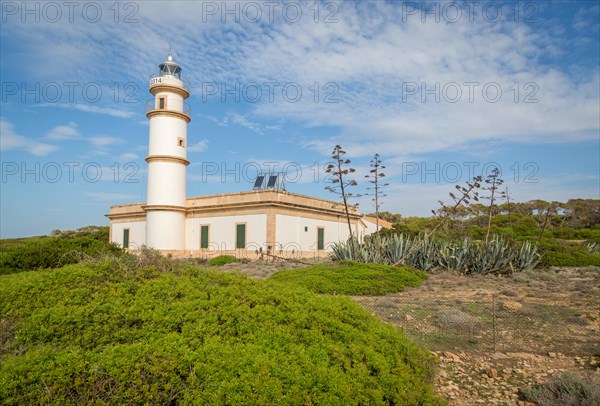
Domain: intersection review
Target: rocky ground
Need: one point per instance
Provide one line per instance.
(494, 336)
(467, 378)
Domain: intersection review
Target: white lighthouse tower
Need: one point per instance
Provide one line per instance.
(169, 116)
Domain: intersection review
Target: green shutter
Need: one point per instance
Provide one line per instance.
(203, 236)
(126, 238)
(240, 236)
(320, 238)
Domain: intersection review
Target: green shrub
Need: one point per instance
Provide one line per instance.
(566, 253)
(221, 260)
(566, 390)
(352, 278)
(564, 233)
(101, 333)
(574, 258)
(52, 252)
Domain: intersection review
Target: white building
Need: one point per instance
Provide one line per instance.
(267, 218)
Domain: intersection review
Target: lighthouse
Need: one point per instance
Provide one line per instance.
(265, 219)
(169, 116)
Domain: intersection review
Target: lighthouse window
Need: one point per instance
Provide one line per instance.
(161, 103)
(180, 142)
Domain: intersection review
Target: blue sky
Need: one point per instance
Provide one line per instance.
(442, 91)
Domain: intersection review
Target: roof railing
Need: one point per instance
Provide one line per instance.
(151, 106)
(184, 81)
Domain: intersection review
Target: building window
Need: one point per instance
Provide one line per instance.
(203, 236)
(320, 238)
(126, 238)
(161, 103)
(180, 142)
(240, 236)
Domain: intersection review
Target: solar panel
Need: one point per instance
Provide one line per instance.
(259, 181)
(272, 181)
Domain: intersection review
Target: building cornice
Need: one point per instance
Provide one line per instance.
(163, 207)
(129, 216)
(269, 203)
(282, 196)
(168, 113)
(167, 158)
(263, 201)
(155, 89)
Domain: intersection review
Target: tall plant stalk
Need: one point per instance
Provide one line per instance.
(467, 194)
(340, 185)
(494, 181)
(375, 174)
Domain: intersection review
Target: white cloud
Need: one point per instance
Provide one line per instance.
(586, 19)
(128, 157)
(371, 56)
(364, 60)
(88, 108)
(110, 111)
(238, 119)
(217, 121)
(10, 140)
(64, 132)
(105, 140)
(200, 146)
(243, 121)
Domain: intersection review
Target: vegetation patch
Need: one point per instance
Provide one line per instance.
(108, 333)
(62, 248)
(353, 278)
(567, 389)
(496, 256)
(221, 260)
(567, 253)
(564, 234)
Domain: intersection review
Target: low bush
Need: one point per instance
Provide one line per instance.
(52, 252)
(566, 390)
(101, 333)
(566, 253)
(221, 260)
(574, 258)
(352, 278)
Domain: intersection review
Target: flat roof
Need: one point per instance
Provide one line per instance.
(251, 198)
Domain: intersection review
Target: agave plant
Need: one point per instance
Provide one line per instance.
(593, 248)
(455, 257)
(494, 257)
(497, 256)
(340, 251)
(424, 258)
(365, 252)
(528, 257)
(396, 247)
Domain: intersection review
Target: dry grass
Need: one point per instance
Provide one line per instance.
(559, 313)
(565, 390)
